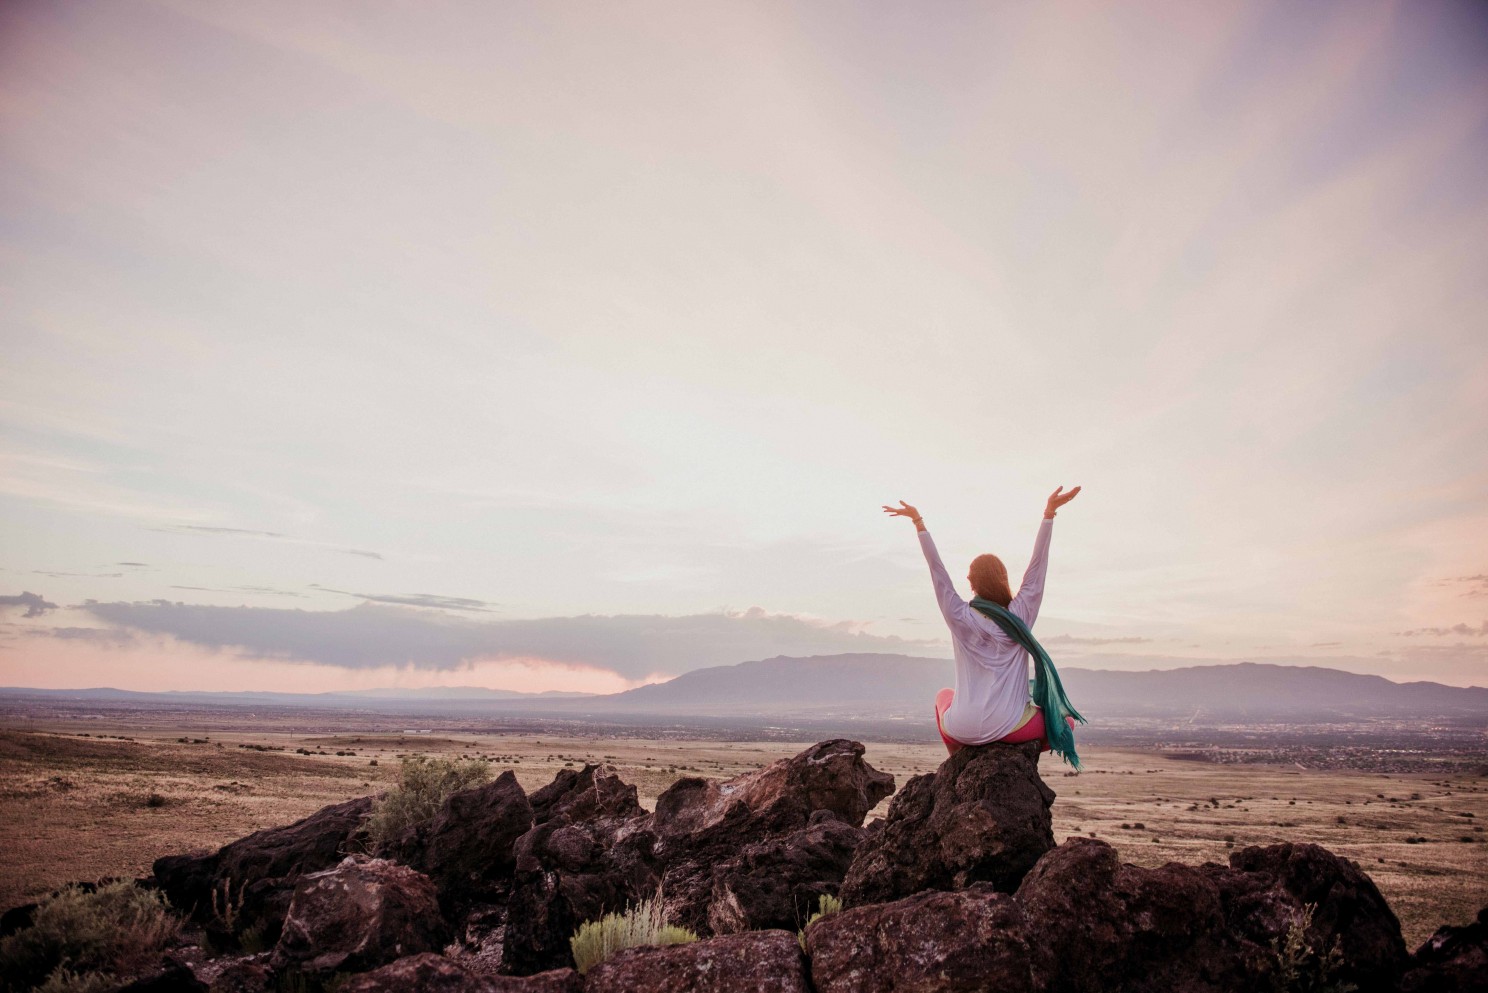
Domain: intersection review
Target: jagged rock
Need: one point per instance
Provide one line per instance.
(594, 849)
(431, 973)
(776, 883)
(1109, 926)
(595, 792)
(565, 873)
(701, 823)
(467, 848)
(1453, 960)
(1263, 892)
(256, 875)
(751, 962)
(359, 915)
(983, 816)
(972, 940)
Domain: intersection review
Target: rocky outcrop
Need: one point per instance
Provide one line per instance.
(1453, 960)
(595, 850)
(468, 849)
(565, 871)
(431, 973)
(983, 816)
(252, 879)
(358, 915)
(1264, 892)
(752, 962)
(778, 882)
(973, 940)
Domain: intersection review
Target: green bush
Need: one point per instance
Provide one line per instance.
(424, 783)
(643, 924)
(825, 904)
(79, 941)
(1300, 968)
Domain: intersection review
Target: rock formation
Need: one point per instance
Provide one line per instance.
(983, 816)
(959, 888)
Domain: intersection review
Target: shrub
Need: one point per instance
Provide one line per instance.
(424, 783)
(643, 924)
(825, 904)
(79, 941)
(1299, 966)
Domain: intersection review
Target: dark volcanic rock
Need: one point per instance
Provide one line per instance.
(752, 962)
(702, 823)
(467, 848)
(256, 875)
(173, 978)
(566, 872)
(983, 816)
(972, 940)
(776, 883)
(1453, 959)
(1108, 925)
(1263, 892)
(431, 973)
(359, 915)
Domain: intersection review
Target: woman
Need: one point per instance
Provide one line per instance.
(992, 699)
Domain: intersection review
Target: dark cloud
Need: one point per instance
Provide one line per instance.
(375, 634)
(417, 599)
(1476, 585)
(139, 564)
(35, 605)
(1325, 644)
(89, 575)
(1070, 639)
(1461, 630)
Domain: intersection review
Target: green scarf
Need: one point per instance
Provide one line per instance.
(1045, 687)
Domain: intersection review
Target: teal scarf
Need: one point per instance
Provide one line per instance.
(1045, 687)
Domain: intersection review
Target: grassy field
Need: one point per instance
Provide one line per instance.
(86, 805)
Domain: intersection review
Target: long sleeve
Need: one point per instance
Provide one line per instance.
(952, 607)
(1026, 604)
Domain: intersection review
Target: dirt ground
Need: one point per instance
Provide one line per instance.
(107, 802)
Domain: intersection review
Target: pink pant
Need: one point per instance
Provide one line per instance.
(1032, 731)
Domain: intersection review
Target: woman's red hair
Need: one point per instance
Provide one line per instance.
(989, 580)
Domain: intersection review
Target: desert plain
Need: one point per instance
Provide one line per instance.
(85, 800)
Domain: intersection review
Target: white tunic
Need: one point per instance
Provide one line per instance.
(991, 668)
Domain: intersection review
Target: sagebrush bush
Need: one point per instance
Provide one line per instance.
(643, 924)
(80, 941)
(1300, 968)
(424, 783)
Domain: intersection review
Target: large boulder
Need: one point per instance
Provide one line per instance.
(1453, 960)
(1108, 925)
(247, 884)
(565, 871)
(778, 882)
(700, 823)
(983, 816)
(968, 941)
(468, 848)
(358, 915)
(751, 962)
(431, 973)
(1265, 889)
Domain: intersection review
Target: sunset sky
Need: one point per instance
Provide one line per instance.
(576, 345)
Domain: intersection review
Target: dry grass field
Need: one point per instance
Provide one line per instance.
(84, 805)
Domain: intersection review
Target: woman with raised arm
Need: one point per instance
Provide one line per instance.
(993, 641)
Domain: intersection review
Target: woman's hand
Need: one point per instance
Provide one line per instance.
(903, 510)
(1057, 499)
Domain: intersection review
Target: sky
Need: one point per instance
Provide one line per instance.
(574, 346)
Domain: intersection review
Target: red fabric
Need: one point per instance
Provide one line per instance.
(1032, 731)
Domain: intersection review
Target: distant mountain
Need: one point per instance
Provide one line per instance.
(885, 685)
(900, 687)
